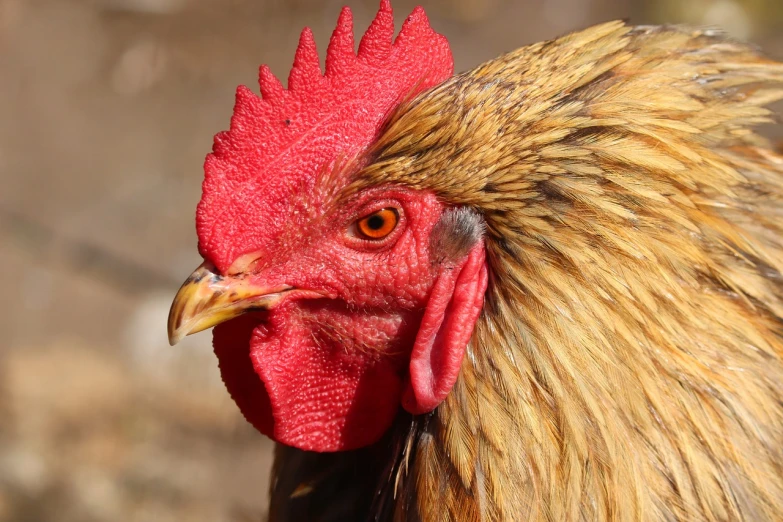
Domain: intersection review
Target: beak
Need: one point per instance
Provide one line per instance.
(207, 298)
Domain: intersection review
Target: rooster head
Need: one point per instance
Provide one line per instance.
(332, 307)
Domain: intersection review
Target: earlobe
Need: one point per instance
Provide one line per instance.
(452, 311)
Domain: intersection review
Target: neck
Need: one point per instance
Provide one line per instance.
(612, 389)
(575, 405)
(627, 363)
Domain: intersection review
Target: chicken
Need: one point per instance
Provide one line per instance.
(546, 289)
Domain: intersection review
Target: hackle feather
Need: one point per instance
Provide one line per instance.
(628, 364)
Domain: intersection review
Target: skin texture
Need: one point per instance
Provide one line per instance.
(628, 361)
(352, 327)
(280, 142)
(327, 371)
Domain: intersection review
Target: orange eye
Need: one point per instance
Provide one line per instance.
(379, 224)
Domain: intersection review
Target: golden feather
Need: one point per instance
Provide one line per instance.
(628, 364)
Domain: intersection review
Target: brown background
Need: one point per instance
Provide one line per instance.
(107, 108)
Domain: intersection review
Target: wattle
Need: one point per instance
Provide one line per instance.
(306, 392)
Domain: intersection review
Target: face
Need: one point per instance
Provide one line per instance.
(316, 330)
(329, 315)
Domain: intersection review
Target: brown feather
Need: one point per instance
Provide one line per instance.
(628, 364)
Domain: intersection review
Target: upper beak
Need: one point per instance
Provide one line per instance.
(207, 298)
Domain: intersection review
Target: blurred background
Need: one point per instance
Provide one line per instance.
(107, 108)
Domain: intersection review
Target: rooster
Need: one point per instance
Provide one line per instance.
(546, 289)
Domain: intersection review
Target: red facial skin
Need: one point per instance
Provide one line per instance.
(328, 373)
(373, 324)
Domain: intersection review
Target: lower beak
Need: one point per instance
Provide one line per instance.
(207, 298)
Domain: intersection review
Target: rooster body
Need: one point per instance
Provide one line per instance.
(627, 363)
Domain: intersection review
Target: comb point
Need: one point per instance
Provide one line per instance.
(376, 43)
(271, 87)
(416, 26)
(247, 107)
(340, 55)
(219, 145)
(306, 71)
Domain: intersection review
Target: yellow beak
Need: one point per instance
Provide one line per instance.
(207, 299)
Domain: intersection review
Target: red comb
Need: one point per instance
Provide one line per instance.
(277, 145)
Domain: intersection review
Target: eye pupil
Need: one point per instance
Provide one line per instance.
(379, 224)
(376, 222)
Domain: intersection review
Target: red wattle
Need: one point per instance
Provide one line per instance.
(311, 395)
(231, 342)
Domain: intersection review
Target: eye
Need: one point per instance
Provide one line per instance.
(379, 224)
